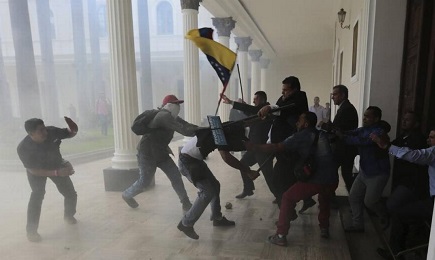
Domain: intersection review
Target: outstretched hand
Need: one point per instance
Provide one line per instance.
(264, 111)
(71, 124)
(383, 141)
(225, 99)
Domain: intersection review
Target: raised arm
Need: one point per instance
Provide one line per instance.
(72, 127)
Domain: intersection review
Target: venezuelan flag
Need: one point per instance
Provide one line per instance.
(220, 57)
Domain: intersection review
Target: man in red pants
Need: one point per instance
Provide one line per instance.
(312, 147)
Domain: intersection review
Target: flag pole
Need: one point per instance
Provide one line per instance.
(223, 91)
(240, 80)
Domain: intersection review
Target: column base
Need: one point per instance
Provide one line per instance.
(119, 180)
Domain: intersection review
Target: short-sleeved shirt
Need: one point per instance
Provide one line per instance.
(44, 155)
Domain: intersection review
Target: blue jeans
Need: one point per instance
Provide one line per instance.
(368, 191)
(208, 186)
(147, 170)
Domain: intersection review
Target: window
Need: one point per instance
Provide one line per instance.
(355, 49)
(164, 18)
(340, 70)
(52, 27)
(102, 29)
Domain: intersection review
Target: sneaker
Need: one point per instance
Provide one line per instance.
(70, 220)
(223, 222)
(244, 194)
(307, 204)
(188, 231)
(324, 232)
(276, 240)
(34, 237)
(130, 201)
(186, 206)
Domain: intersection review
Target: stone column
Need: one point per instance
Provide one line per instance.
(264, 64)
(124, 170)
(224, 27)
(243, 44)
(192, 106)
(255, 72)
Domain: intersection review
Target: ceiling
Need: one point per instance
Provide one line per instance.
(281, 28)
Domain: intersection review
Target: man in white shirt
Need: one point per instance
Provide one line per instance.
(319, 110)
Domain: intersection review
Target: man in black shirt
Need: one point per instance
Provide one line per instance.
(346, 119)
(40, 154)
(283, 126)
(258, 134)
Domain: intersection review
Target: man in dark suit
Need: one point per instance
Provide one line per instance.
(258, 134)
(283, 126)
(346, 119)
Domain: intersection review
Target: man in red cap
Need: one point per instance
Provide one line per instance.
(157, 130)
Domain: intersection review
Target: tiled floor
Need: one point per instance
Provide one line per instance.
(109, 229)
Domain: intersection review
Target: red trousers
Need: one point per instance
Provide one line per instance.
(300, 191)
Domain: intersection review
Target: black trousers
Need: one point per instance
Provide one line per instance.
(250, 158)
(345, 158)
(37, 184)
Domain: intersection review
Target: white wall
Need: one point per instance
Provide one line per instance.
(313, 70)
(387, 58)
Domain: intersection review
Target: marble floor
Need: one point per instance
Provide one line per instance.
(109, 229)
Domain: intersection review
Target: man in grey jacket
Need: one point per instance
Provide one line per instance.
(153, 151)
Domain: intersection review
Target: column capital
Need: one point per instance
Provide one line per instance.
(264, 63)
(224, 25)
(243, 43)
(190, 4)
(255, 55)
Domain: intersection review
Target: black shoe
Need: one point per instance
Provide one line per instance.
(70, 220)
(244, 194)
(324, 232)
(130, 201)
(307, 204)
(223, 222)
(354, 229)
(188, 231)
(34, 237)
(384, 253)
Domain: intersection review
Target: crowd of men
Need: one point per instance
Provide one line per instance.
(300, 151)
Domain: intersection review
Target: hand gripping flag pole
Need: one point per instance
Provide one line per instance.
(220, 57)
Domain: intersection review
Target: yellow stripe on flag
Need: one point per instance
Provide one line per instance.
(222, 54)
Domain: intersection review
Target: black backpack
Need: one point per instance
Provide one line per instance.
(140, 124)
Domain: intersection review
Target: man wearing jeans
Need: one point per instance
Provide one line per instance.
(39, 152)
(153, 151)
(193, 167)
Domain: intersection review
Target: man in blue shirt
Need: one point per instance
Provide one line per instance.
(374, 172)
